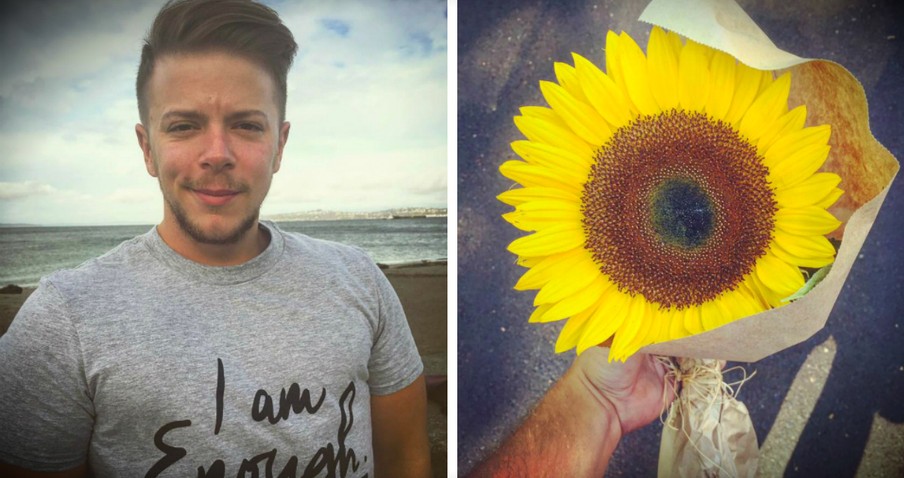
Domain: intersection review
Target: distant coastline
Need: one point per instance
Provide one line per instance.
(315, 215)
(322, 215)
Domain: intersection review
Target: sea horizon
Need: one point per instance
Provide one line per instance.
(32, 251)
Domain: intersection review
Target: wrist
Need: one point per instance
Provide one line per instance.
(604, 409)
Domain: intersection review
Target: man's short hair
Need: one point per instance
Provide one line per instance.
(241, 27)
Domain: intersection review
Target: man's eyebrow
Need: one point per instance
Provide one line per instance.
(183, 114)
(200, 117)
(245, 114)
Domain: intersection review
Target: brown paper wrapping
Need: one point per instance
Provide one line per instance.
(708, 432)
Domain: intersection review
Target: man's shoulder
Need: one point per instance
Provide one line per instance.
(110, 267)
(306, 248)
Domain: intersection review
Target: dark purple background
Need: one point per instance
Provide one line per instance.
(506, 364)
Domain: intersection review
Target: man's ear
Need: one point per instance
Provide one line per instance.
(144, 142)
(283, 138)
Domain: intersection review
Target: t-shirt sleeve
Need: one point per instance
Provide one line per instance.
(45, 410)
(394, 359)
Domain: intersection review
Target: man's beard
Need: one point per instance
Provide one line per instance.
(201, 236)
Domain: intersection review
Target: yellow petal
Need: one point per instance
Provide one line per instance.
(532, 175)
(787, 124)
(764, 293)
(799, 166)
(658, 320)
(571, 332)
(542, 113)
(637, 78)
(753, 291)
(603, 94)
(580, 117)
(806, 221)
(806, 247)
(786, 256)
(830, 199)
(567, 164)
(676, 41)
(677, 330)
(712, 315)
(568, 78)
(577, 302)
(538, 313)
(741, 303)
(788, 144)
(778, 275)
(514, 197)
(549, 268)
(662, 324)
(581, 274)
(809, 191)
(692, 320)
(557, 238)
(666, 317)
(662, 63)
(766, 109)
(693, 77)
(722, 84)
(550, 205)
(544, 213)
(606, 319)
(747, 84)
(613, 62)
(526, 261)
(636, 315)
(542, 131)
(648, 329)
(532, 222)
(728, 309)
(766, 80)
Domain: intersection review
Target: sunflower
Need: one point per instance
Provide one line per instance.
(667, 196)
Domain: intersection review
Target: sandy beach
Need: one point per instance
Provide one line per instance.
(421, 287)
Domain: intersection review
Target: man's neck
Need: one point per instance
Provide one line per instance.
(254, 241)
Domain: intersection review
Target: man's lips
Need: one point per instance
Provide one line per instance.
(215, 197)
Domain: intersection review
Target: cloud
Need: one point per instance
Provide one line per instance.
(9, 191)
(136, 195)
(44, 41)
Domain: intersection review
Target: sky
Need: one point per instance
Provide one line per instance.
(366, 99)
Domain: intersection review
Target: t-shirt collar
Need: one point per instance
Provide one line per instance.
(219, 275)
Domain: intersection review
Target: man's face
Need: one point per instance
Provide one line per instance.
(213, 140)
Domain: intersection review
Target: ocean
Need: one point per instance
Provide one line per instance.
(29, 253)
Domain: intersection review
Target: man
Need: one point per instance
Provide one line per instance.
(214, 344)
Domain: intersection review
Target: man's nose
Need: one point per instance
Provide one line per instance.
(217, 152)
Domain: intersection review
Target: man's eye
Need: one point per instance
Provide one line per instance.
(180, 127)
(250, 127)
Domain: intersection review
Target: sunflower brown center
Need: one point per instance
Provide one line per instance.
(682, 213)
(677, 208)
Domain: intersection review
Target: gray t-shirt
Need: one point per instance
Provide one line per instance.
(149, 364)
